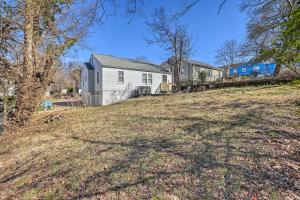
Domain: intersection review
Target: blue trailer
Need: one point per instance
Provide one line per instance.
(255, 70)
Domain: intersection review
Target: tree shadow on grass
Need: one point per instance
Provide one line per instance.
(19, 170)
(243, 178)
(208, 159)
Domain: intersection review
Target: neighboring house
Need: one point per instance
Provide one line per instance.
(107, 79)
(255, 70)
(190, 71)
(7, 88)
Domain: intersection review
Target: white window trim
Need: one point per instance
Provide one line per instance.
(182, 71)
(148, 82)
(145, 78)
(98, 77)
(164, 75)
(121, 77)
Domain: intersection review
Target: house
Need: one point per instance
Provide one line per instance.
(7, 88)
(107, 79)
(190, 71)
(255, 70)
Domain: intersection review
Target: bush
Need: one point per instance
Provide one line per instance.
(70, 90)
(245, 78)
(202, 76)
(295, 83)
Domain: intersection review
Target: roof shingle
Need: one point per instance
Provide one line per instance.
(125, 63)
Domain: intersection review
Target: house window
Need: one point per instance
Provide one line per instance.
(144, 78)
(164, 78)
(244, 69)
(182, 71)
(120, 76)
(150, 79)
(256, 68)
(210, 73)
(97, 77)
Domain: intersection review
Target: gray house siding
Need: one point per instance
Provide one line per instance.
(190, 71)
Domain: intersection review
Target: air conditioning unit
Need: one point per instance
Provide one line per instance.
(143, 90)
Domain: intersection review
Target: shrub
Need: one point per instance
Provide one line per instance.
(202, 76)
(70, 90)
(295, 83)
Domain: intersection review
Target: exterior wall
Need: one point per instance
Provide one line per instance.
(184, 72)
(88, 86)
(259, 69)
(97, 82)
(190, 72)
(84, 80)
(114, 91)
(213, 74)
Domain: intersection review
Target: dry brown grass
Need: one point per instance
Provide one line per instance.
(222, 144)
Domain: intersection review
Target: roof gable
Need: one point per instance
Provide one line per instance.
(89, 66)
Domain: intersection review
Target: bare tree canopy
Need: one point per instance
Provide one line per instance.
(188, 5)
(172, 36)
(265, 25)
(229, 53)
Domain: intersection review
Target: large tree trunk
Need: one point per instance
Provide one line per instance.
(176, 76)
(24, 97)
(277, 70)
(37, 69)
(5, 110)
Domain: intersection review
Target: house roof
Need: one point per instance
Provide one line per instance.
(129, 64)
(194, 62)
(202, 64)
(89, 66)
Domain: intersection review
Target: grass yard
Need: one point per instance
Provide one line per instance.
(222, 144)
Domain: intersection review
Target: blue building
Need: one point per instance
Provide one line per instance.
(259, 69)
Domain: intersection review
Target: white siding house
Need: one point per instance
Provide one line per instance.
(107, 79)
(190, 70)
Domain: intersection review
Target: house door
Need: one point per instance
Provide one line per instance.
(164, 78)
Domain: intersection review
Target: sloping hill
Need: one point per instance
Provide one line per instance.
(221, 144)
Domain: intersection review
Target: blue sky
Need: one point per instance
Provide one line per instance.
(117, 37)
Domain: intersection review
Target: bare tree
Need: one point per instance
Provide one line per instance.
(34, 34)
(173, 37)
(75, 77)
(228, 54)
(59, 81)
(188, 5)
(264, 26)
